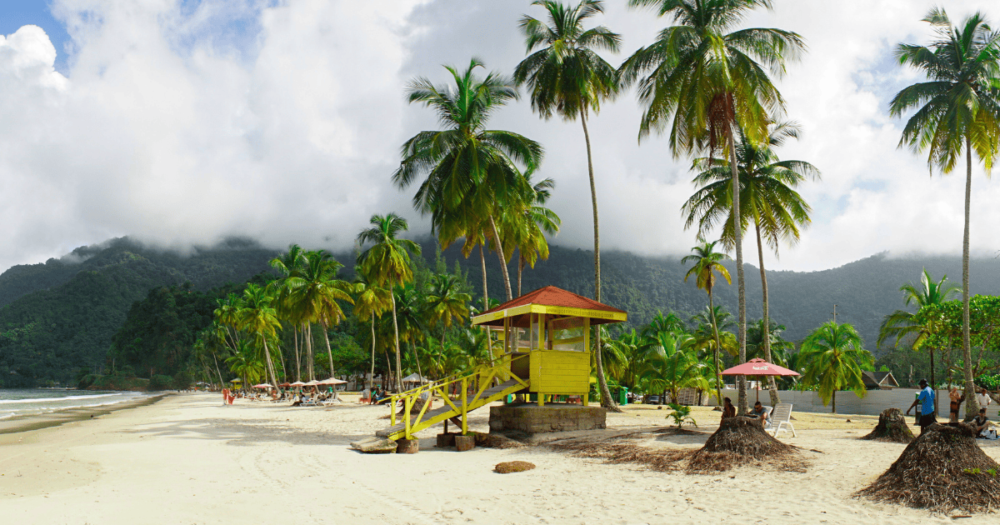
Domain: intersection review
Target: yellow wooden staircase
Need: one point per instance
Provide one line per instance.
(480, 388)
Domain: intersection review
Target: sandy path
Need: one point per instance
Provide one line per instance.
(188, 459)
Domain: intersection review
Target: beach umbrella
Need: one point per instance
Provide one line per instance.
(285, 384)
(332, 381)
(758, 367)
(297, 383)
(263, 385)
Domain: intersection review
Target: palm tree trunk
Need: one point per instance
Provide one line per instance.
(766, 328)
(718, 348)
(329, 352)
(371, 378)
(217, 368)
(834, 402)
(606, 400)
(520, 270)
(395, 331)
(486, 292)
(500, 254)
(270, 366)
(932, 380)
(971, 404)
(310, 372)
(298, 354)
(741, 332)
(416, 358)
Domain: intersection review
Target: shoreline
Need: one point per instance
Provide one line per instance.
(29, 422)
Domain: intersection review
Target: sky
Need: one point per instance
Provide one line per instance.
(182, 122)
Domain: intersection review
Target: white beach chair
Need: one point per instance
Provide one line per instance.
(781, 420)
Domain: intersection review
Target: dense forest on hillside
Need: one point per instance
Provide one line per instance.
(63, 315)
(48, 334)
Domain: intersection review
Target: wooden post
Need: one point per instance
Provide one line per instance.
(465, 406)
(407, 403)
(392, 410)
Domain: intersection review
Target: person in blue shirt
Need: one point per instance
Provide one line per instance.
(926, 401)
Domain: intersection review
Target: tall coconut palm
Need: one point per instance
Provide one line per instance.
(902, 324)
(768, 202)
(957, 108)
(531, 226)
(708, 263)
(567, 77)
(259, 319)
(387, 263)
(471, 174)
(705, 84)
(370, 301)
(288, 264)
(313, 293)
(835, 357)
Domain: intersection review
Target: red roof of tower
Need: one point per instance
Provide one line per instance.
(552, 296)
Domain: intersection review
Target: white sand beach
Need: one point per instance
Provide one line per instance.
(189, 459)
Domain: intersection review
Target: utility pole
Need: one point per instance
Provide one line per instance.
(834, 314)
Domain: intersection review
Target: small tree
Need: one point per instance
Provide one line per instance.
(681, 414)
(835, 358)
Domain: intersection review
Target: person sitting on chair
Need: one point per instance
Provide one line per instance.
(759, 412)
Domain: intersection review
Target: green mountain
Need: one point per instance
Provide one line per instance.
(61, 316)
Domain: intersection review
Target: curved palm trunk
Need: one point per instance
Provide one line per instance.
(329, 352)
(718, 348)
(971, 403)
(500, 254)
(371, 378)
(741, 334)
(416, 358)
(606, 400)
(270, 367)
(217, 368)
(399, 359)
(486, 292)
(771, 387)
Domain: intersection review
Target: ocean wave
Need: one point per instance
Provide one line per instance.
(28, 400)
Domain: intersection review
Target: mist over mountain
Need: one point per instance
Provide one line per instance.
(60, 316)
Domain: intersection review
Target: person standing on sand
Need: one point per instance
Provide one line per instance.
(956, 404)
(984, 398)
(926, 401)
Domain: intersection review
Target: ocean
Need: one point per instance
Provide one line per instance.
(19, 402)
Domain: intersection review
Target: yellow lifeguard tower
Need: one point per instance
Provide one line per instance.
(541, 347)
(550, 328)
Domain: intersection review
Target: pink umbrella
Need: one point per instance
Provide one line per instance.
(758, 367)
(263, 385)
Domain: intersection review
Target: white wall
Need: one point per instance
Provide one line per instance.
(849, 403)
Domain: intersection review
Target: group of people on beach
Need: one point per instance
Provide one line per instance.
(759, 412)
(927, 416)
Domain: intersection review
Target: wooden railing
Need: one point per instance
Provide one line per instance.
(478, 381)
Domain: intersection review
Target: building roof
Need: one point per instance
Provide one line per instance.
(553, 298)
(879, 380)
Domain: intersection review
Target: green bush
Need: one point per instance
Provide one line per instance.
(989, 382)
(182, 380)
(160, 382)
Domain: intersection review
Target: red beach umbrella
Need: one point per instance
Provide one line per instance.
(758, 367)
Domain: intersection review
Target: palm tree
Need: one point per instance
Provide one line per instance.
(708, 263)
(672, 365)
(531, 226)
(768, 202)
(958, 107)
(756, 343)
(705, 83)
(566, 76)
(902, 324)
(411, 313)
(313, 292)
(387, 263)
(260, 319)
(288, 264)
(447, 303)
(471, 173)
(625, 356)
(371, 301)
(835, 357)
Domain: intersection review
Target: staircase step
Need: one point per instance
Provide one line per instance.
(437, 415)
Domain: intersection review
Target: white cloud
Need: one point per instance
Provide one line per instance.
(282, 121)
